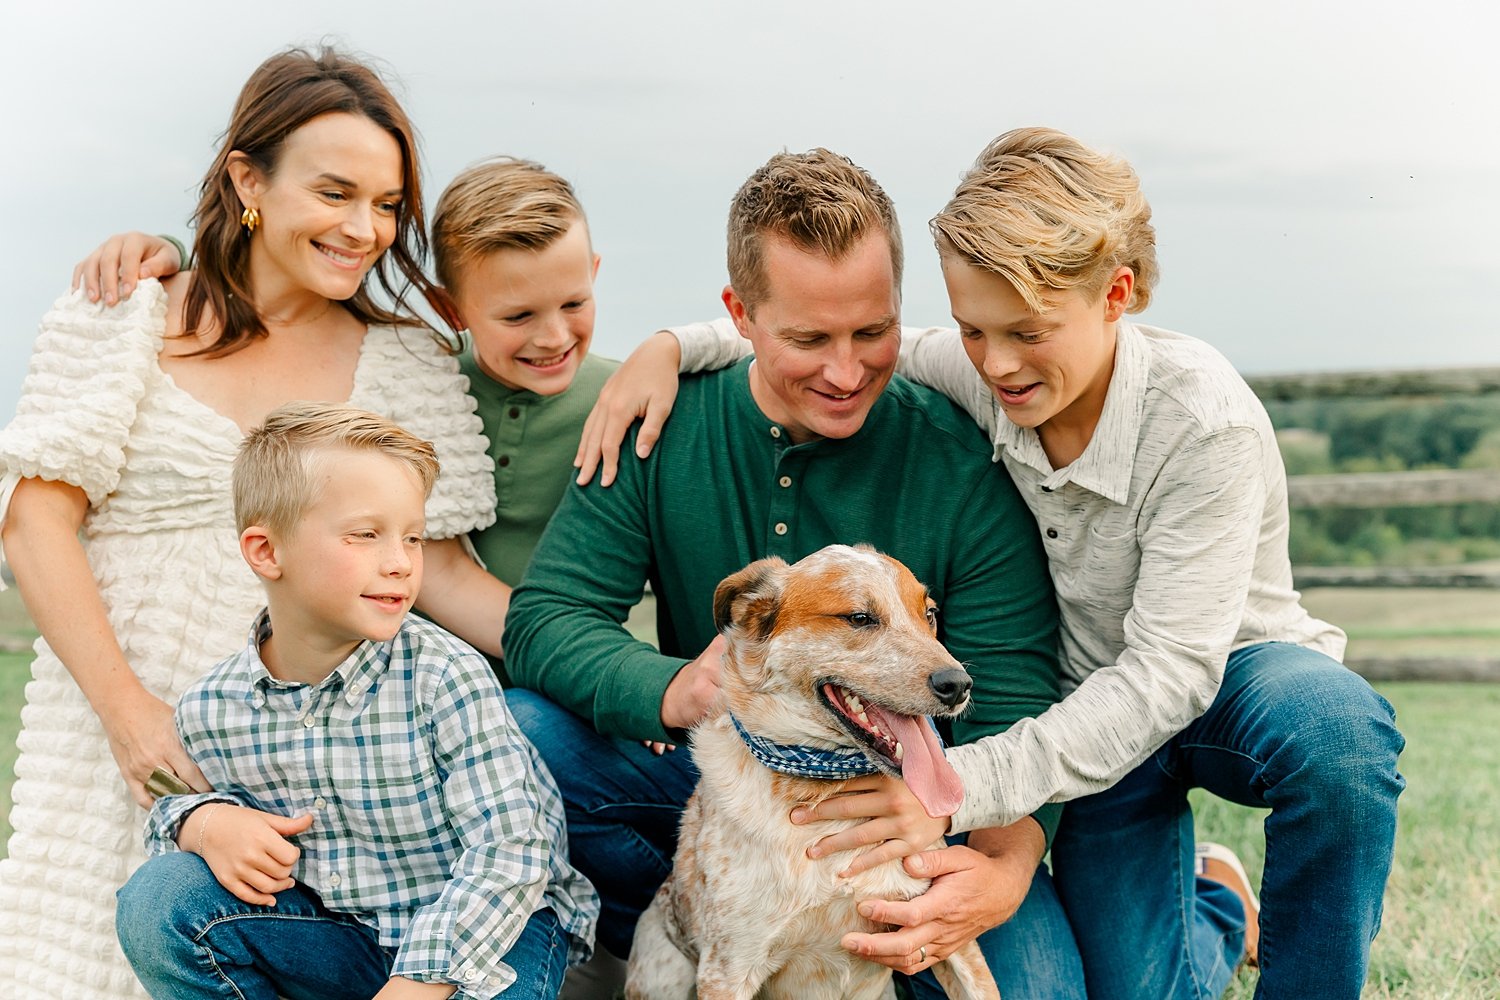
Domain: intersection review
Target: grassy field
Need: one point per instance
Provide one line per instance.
(1441, 936)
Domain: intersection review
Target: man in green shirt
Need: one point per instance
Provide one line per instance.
(813, 443)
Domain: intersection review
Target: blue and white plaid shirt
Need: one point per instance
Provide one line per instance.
(437, 823)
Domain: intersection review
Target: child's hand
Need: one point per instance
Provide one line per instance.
(645, 388)
(119, 262)
(246, 849)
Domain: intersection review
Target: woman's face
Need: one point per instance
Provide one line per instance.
(327, 212)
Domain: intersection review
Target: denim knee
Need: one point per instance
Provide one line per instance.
(158, 912)
(1338, 737)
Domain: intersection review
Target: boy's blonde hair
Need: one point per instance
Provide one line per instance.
(278, 462)
(820, 201)
(499, 204)
(1049, 214)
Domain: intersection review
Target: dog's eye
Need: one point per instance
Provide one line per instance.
(932, 618)
(861, 619)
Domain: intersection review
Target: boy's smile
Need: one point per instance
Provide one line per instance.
(352, 566)
(531, 312)
(1049, 371)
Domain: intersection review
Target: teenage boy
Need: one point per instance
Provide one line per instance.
(379, 826)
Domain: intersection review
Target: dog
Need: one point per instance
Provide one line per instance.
(832, 665)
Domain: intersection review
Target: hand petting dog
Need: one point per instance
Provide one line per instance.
(973, 889)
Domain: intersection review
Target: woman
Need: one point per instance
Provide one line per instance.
(1155, 480)
(129, 420)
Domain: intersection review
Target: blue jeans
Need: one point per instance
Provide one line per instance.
(1292, 730)
(187, 937)
(624, 803)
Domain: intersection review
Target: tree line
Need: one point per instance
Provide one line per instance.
(1395, 435)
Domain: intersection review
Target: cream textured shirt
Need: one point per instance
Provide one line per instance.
(1167, 543)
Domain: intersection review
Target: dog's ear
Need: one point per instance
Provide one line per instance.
(750, 597)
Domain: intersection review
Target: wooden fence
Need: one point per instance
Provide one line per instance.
(1395, 489)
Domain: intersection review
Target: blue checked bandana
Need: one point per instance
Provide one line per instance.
(805, 762)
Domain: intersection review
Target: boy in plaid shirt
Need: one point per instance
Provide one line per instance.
(379, 827)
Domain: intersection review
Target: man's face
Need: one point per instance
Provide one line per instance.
(826, 336)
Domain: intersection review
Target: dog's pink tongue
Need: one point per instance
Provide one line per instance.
(926, 771)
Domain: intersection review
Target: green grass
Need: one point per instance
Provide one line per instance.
(14, 673)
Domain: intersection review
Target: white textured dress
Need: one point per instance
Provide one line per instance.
(97, 411)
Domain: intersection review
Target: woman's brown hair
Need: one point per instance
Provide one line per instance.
(284, 93)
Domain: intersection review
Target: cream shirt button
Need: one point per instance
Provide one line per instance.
(319, 802)
(780, 527)
(334, 880)
(785, 481)
(307, 722)
(776, 432)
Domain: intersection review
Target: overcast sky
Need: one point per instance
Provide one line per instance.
(1325, 176)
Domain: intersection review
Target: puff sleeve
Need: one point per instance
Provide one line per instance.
(86, 378)
(410, 379)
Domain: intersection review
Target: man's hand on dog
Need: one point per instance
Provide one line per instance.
(972, 891)
(695, 690)
(897, 823)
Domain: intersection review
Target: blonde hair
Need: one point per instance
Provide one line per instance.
(499, 204)
(1049, 214)
(820, 201)
(278, 462)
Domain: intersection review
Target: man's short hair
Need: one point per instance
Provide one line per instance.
(1049, 214)
(499, 204)
(278, 462)
(819, 201)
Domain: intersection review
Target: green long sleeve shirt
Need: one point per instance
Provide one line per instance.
(726, 486)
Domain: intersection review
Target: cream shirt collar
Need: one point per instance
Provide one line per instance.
(1107, 464)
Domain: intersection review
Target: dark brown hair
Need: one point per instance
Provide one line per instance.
(284, 93)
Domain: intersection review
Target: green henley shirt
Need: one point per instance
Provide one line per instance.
(726, 486)
(532, 441)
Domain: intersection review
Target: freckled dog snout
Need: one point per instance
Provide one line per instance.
(951, 686)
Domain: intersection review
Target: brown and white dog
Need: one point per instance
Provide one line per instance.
(832, 666)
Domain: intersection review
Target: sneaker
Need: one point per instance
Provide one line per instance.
(1218, 863)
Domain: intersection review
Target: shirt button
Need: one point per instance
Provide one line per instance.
(780, 527)
(1051, 532)
(319, 802)
(785, 481)
(334, 880)
(515, 411)
(503, 461)
(308, 722)
(776, 432)
(1046, 489)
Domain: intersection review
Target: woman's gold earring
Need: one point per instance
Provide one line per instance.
(249, 218)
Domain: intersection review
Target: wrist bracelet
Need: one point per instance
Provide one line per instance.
(208, 813)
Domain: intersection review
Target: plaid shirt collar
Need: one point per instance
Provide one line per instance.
(356, 672)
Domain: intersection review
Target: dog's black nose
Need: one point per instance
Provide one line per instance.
(951, 686)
